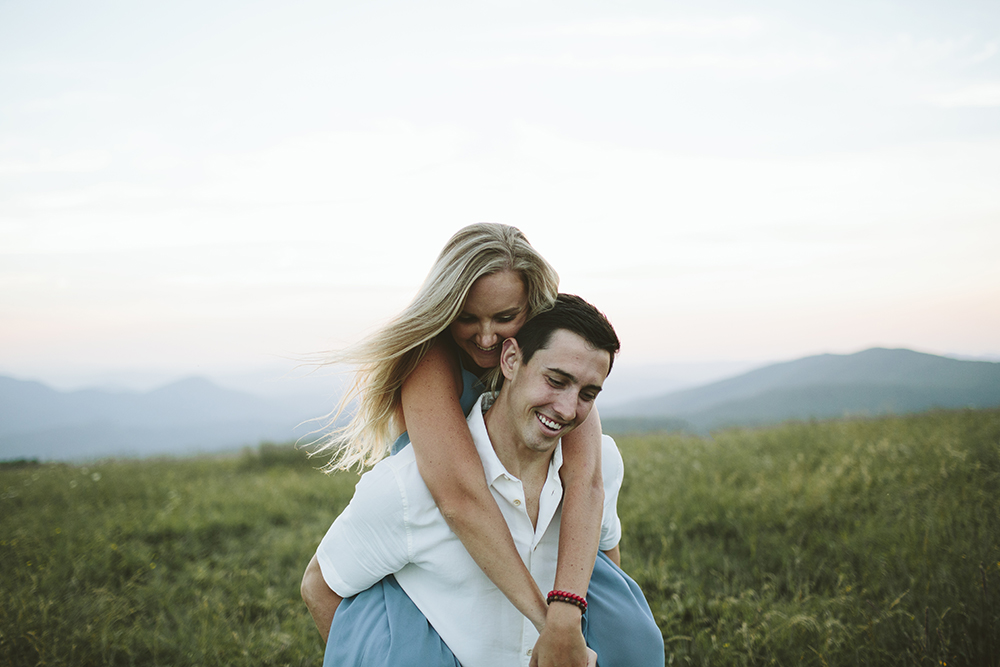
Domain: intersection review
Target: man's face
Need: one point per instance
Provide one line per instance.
(554, 392)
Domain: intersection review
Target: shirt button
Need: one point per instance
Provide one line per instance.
(517, 502)
(529, 652)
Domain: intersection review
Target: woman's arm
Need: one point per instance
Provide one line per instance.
(451, 468)
(579, 536)
(583, 506)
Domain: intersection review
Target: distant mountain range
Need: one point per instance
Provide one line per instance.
(874, 382)
(188, 416)
(195, 415)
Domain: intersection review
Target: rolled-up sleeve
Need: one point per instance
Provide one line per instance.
(370, 539)
(613, 471)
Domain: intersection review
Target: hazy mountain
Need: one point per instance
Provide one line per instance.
(876, 381)
(197, 415)
(631, 381)
(186, 416)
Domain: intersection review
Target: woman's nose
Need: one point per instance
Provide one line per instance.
(487, 337)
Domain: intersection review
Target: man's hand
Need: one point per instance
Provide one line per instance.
(321, 601)
(561, 642)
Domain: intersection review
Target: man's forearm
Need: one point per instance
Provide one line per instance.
(319, 598)
(615, 554)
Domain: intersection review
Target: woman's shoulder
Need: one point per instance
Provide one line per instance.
(435, 383)
(439, 364)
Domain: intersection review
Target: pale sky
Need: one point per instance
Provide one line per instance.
(207, 187)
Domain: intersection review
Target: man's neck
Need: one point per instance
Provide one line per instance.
(529, 466)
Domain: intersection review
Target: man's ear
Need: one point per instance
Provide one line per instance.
(510, 357)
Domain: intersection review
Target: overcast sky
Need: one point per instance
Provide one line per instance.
(202, 187)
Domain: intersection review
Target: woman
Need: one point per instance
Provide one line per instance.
(421, 373)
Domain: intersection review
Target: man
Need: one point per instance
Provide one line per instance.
(554, 369)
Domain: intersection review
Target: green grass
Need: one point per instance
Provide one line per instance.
(170, 562)
(841, 543)
(870, 542)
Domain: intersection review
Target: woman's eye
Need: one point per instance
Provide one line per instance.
(506, 318)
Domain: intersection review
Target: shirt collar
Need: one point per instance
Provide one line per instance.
(491, 462)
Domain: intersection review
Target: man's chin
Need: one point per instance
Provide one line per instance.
(546, 442)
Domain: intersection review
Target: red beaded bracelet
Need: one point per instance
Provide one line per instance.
(571, 598)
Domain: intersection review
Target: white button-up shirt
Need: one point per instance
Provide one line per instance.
(392, 526)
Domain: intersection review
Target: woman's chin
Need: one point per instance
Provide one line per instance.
(483, 360)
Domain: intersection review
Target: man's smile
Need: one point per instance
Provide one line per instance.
(548, 423)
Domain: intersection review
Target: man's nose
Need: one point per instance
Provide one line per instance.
(565, 406)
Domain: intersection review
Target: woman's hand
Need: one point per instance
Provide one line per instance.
(561, 642)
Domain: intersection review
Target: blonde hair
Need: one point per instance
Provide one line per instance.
(386, 359)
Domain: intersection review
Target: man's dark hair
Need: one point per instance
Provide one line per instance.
(573, 314)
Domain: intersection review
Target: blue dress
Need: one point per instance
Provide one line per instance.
(381, 627)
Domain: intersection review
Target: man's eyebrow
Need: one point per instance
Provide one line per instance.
(572, 378)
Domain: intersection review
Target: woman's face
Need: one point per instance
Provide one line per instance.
(494, 309)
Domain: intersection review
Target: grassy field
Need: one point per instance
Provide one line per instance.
(837, 543)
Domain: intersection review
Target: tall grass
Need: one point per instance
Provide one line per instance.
(838, 543)
(172, 562)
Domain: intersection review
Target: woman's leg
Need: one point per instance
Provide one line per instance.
(619, 625)
(381, 627)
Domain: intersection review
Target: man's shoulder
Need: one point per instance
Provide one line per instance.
(612, 465)
(392, 475)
